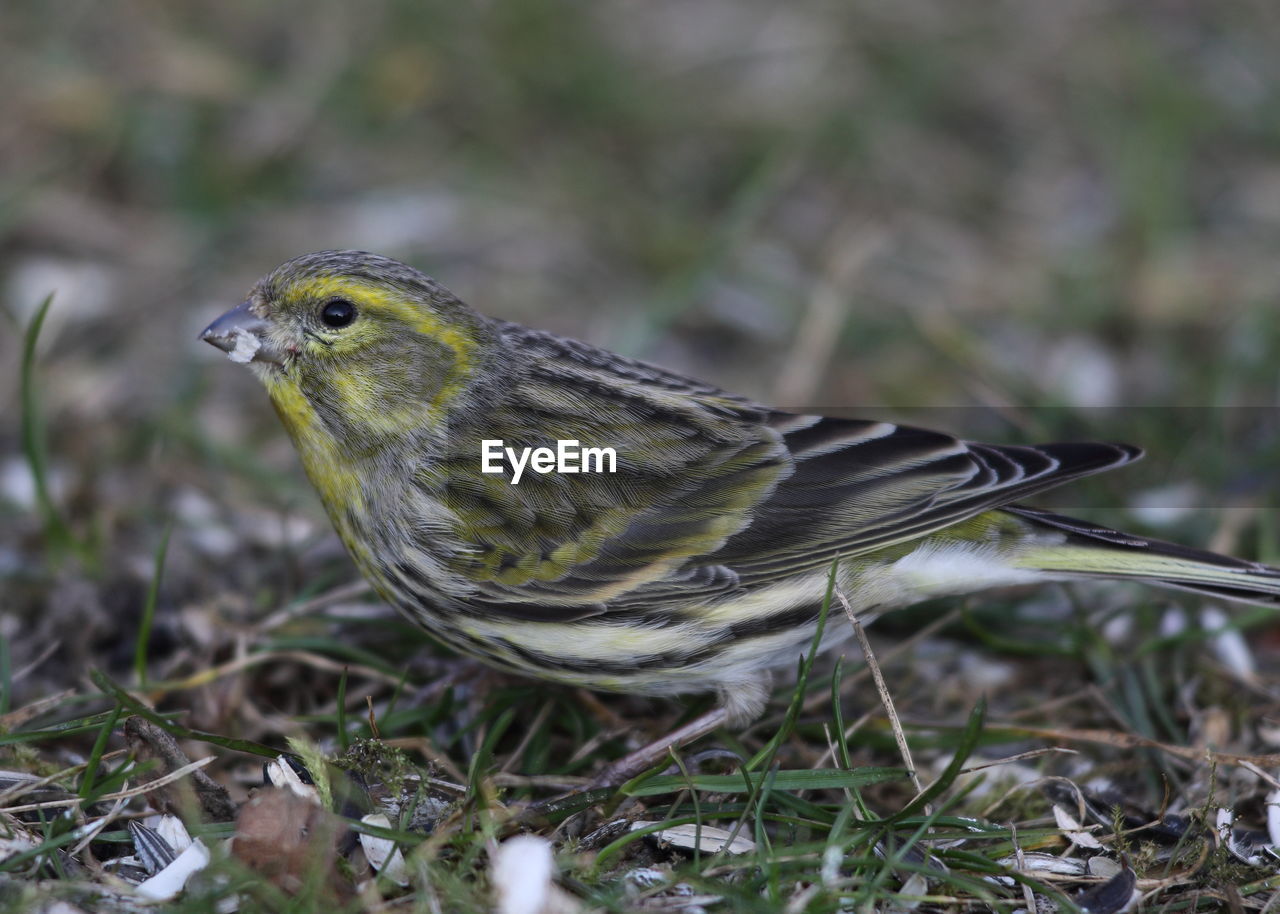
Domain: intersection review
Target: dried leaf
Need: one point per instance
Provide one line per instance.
(289, 840)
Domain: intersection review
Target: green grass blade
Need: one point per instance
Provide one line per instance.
(149, 610)
(968, 742)
(95, 755)
(764, 758)
(56, 529)
(747, 781)
(103, 682)
(6, 676)
(343, 739)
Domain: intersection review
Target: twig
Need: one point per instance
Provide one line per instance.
(146, 787)
(306, 658)
(336, 595)
(885, 698)
(818, 698)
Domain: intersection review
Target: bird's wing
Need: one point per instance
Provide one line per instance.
(712, 493)
(860, 486)
(692, 466)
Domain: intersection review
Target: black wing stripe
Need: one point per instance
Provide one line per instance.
(1012, 473)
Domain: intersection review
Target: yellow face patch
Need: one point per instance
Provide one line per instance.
(376, 299)
(383, 312)
(337, 481)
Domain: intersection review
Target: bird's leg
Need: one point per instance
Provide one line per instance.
(740, 703)
(630, 765)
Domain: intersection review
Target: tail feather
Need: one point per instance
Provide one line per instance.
(1093, 551)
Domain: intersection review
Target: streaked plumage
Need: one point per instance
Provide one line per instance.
(702, 562)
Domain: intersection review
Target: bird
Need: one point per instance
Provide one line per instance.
(698, 557)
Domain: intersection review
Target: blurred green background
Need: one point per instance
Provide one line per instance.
(1028, 219)
(1068, 213)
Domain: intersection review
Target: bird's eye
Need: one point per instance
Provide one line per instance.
(338, 313)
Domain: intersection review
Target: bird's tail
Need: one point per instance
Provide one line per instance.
(1093, 551)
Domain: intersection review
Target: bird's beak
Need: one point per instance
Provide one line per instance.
(242, 335)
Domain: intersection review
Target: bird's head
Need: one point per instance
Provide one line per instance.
(363, 344)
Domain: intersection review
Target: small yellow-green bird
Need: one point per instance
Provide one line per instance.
(561, 511)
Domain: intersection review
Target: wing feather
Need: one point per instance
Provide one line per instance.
(713, 494)
(911, 483)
